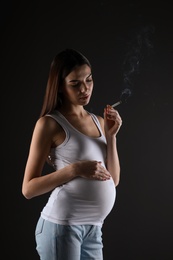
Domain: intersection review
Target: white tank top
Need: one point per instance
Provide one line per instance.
(80, 201)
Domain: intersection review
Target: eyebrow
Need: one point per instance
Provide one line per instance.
(89, 75)
(74, 80)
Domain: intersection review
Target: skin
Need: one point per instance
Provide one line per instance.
(77, 90)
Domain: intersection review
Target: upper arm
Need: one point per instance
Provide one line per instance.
(41, 142)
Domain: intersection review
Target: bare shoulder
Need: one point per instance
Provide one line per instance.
(48, 130)
(101, 121)
(47, 124)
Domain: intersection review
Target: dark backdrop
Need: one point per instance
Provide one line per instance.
(129, 45)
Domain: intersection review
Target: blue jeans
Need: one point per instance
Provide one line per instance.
(68, 242)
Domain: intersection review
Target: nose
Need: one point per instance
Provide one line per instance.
(83, 87)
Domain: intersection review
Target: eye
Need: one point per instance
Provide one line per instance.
(74, 83)
(89, 79)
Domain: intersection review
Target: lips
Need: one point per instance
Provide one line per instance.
(85, 97)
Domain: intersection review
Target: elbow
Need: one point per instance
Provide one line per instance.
(26, 193)
(116, 183)
(117, 179)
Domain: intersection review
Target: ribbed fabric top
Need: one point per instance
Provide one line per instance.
(80, 201)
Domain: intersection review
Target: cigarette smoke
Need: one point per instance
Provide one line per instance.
(139, 47)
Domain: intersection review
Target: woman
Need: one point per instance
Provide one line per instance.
(81, 147)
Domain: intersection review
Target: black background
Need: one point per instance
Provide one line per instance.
(140, 226)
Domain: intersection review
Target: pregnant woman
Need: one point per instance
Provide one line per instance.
(81, 147)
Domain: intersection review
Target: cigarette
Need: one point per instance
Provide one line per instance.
(116, 104)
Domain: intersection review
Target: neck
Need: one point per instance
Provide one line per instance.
(73, 111)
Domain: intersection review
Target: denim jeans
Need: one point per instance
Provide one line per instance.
(68, 242)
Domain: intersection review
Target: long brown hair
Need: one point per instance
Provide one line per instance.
(62, 64)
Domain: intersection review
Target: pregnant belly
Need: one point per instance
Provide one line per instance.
(90, 200)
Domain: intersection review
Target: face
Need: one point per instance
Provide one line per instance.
(78, 86)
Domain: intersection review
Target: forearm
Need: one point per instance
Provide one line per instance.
(113, 164)
(43, 184)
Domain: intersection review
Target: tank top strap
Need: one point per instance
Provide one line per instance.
(94, 117)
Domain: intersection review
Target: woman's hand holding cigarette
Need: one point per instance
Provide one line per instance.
(113, 121)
